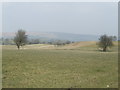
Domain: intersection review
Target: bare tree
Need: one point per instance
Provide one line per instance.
(21, 38)
(105, 42)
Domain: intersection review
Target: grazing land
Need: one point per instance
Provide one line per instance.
(77, 65)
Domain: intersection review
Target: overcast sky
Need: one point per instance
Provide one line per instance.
(71, 17)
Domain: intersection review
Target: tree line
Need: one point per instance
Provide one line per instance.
(52, 41)
(9, 41)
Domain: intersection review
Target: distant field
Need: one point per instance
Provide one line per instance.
(78, 65)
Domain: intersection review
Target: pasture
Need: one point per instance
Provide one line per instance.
(69, 66)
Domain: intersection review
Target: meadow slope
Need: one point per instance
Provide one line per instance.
(78, 65)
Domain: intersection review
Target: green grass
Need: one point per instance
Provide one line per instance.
(42, 68)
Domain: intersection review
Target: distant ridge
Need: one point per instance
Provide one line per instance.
(55, 36)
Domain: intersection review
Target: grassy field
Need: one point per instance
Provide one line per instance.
(79, 65)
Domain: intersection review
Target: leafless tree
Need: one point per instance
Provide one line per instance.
(20, 38)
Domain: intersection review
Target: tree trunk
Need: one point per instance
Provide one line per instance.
(18, 47)
(104, 49)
